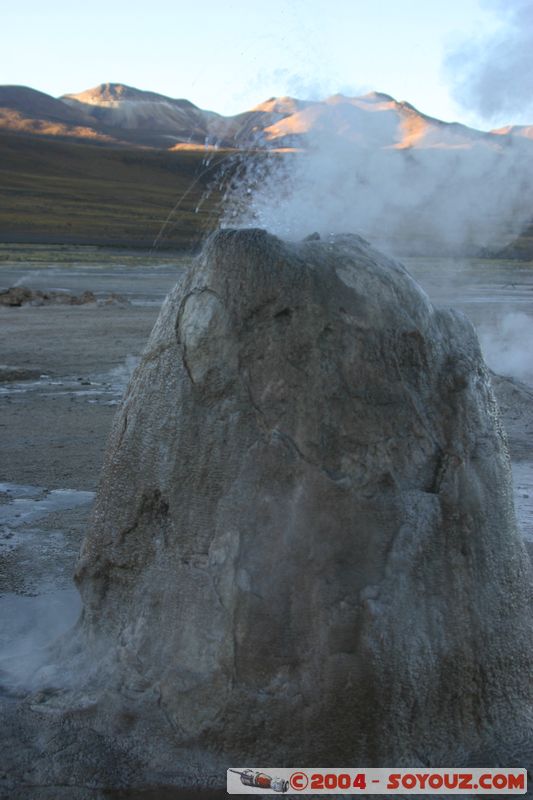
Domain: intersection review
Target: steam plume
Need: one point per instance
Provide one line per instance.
(465, 192)
(493, 74)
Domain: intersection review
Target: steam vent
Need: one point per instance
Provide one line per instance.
(304, 549)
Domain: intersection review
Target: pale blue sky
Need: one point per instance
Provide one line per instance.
(228, 55)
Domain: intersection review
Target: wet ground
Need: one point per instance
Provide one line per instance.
(53, 428)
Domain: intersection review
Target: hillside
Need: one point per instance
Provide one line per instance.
(64, 192)
(27, 111)
(139, 117)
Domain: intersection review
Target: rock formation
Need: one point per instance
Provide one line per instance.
(304, 536)
(17, 296)
(304, 548)
(21, 295)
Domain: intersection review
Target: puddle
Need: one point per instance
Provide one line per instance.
(105, 388)
(38, 601)
(23, 504)
(38, 551)
(16, 490)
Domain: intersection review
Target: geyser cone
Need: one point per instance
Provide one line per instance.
(304, 548)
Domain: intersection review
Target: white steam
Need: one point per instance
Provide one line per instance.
(451, 190)
(27, 278)
(29, 626)
(493, 74)
(507, 346)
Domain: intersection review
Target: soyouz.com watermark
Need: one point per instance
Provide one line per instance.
(247, 780)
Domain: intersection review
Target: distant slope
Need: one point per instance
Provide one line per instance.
(24, 110)
(31, 103)
(525, 131)
(59, 192)
(140, 117)
(248, 128)
(370, 121)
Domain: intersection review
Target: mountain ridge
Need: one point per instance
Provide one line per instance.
(115, 113)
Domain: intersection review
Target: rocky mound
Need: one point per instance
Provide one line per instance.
(304, 548)
(22, 295)
(10, 373)
(17, 296)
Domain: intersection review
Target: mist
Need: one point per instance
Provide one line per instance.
(492, 74)
(433, 190)
(411, 185)
(506, 345)
(29, 626)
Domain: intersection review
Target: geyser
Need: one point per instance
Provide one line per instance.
(304, 548)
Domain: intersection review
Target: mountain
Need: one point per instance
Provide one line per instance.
(25, 110)
(143, 117)
(525, 131)
(372, 120)
(117, 114)
(31, 103)
(248, 129)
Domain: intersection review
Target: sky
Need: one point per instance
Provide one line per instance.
(230, 55)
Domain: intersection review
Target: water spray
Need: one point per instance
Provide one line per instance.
(238, 188)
